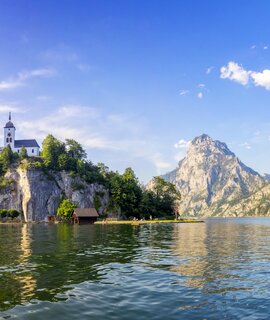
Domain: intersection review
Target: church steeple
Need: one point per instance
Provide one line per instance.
(9, 133)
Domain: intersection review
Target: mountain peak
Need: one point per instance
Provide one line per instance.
(204, 143)
(203, 137)
(211, 175)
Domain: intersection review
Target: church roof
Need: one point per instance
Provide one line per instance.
(9, 125)
(29, 143)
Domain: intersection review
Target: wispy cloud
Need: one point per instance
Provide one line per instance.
(200, 95)
(182, 144)
(209, 70)
(118, 135)
(22, 77)
(84, 67)
(246, 145)
(5, 108)
(60, 53)
(183, 92)
(44, 98)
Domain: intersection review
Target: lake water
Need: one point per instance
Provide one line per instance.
(219, 269)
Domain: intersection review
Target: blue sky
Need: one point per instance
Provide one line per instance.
(135, 81)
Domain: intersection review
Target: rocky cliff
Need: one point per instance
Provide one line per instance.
(256, 204)
(37, 194)
(212, 180)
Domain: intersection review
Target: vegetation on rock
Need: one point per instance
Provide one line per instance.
(127, 195)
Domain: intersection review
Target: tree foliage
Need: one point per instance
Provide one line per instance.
(126, 193)
(6, 159)
(65, 209)
(51, 150)
(23, 153)
(74, 149)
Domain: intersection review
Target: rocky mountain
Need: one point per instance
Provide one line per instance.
(213, 181)
(37, 194)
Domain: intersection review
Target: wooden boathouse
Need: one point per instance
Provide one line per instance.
(84, 215)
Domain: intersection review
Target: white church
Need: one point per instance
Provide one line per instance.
(30, 145)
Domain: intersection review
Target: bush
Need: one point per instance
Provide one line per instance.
(11, 213)
(65, 209)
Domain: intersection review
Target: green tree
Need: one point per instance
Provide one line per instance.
(63, 162)
(23, 153)
(126, 193)
(6, 158)
(75, 149)
(166, 195)
(65, 209)
(51, 150)
(148, 205)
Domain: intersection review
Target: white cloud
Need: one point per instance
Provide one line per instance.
(160, 163)
(5, 108)
(23, 76)
(201, 85)
(209, 70)
(253, 47)
(182, 143)
(200, 95)
(265, 47)
(246, 145)
(10, 84)
(120, 136)
(262, 78)
(235, 72)
(183, 92)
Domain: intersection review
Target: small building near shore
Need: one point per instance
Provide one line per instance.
(84, 215)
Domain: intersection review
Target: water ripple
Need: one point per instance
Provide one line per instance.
(215, 270)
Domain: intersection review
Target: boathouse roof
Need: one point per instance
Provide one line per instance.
(85, 212)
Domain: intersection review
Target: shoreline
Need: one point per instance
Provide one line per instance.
(139, 222)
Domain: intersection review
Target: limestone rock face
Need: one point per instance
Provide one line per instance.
(212, 179)
(38, 194)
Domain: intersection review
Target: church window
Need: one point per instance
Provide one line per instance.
(7, 140)
(9, 134)
(32, 150)
(10, 139)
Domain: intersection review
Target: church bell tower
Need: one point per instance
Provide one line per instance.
(9, 133)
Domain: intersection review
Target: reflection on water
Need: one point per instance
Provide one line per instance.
(169, 271)
(190, 245)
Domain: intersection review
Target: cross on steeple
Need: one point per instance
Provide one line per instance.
(9, 118)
